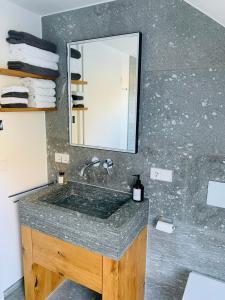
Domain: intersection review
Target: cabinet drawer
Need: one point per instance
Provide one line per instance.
(75, 263)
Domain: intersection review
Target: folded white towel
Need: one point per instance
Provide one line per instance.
(38, 62)
(13, 100)
(41, 92)
(37, 104)
(39, 98)
(76, 93)
(76, 66)
(16, 89)
(27, 50)
(38, 83)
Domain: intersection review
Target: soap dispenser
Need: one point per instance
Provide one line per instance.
(138, 190)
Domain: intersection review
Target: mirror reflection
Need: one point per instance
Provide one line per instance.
(103, 91)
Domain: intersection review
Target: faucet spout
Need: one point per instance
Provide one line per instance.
(95, 162)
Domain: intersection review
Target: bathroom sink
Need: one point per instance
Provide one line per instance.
(102, 220)
(89, 201)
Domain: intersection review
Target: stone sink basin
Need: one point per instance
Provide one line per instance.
(99, 219)
(100, 205)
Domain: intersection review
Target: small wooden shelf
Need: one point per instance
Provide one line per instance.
(14, 73)
(80, 108)
(26, 109)
(79, 82)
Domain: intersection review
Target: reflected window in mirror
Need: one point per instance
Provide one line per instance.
(103, 84)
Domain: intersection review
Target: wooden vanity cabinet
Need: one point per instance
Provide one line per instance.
(48, 261)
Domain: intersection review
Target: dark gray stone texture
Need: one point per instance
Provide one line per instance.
(110, 237)
(182, 127)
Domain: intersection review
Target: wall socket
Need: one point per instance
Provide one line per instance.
(161, 174)
(62, 158)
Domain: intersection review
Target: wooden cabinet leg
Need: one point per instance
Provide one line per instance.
(125, 279)
(39, 282)
(45, 282)
(110, 279)
(29, 277)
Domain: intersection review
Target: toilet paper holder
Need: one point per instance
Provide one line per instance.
(164, 224)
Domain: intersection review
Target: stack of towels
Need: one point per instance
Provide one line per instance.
(75, 54)
(31, 54)
(41, 92)
(77, 100)
(14, 97)
(76, 66)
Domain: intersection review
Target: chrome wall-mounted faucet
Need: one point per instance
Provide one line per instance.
(95, 162)
(108, 165)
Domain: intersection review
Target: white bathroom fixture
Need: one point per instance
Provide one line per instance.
(216, 194)
(201, 287)
(165, 225)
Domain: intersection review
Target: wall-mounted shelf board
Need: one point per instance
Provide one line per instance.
(80, 82)
(21, 74)
(80, 108)
(26, 109)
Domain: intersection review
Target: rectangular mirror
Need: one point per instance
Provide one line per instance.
(103, 84)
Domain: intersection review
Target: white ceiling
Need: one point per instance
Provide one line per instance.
(48, 7)
(215, 9)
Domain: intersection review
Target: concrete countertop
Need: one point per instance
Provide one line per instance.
(110, 237)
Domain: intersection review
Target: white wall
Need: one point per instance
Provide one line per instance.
(23, 158)
(215, 9)
(107, 103)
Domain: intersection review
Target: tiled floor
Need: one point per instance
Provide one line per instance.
(67, 291)
(16, 295)
(71, 291)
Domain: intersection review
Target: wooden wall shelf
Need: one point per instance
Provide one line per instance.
(14, 73)
(79, 108)
(79, 82)
(27, 109)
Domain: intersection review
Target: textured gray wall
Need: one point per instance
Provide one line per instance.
(182, 127)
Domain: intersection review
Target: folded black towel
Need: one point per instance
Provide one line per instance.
(75, 76)
(78, 106)
(15, 95)
(15, 105)
(16, 37)
(20, 66)
(75, 53)
(77, 97)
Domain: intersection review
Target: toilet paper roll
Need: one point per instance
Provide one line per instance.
(165, 227)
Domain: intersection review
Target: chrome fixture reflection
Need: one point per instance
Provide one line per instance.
(108, 164)
(95, 162)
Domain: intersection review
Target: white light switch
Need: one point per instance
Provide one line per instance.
(58, 157)
(161, 174)
(62, 158)
(65, 158)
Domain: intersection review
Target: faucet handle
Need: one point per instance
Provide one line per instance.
(108, 164)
